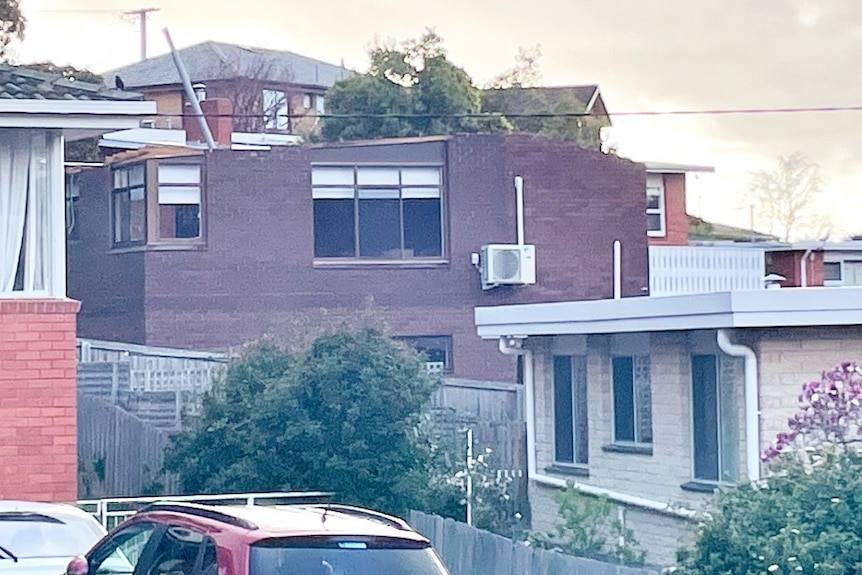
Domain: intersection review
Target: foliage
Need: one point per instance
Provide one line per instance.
(68, 72)
(589, 529)
(524, 74)
(410, 90)
(783, 198)
(803, 520)
(830, 414)
(12, 23)
(339, 416)
(492, 498)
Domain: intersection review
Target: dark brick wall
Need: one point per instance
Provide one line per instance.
(110, 287)
(257, 273)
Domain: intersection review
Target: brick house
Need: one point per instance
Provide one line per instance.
(37, 321)
(655, 402)
(271, 90)
(218, 248)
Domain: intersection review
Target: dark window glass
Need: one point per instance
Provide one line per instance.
(380, 228)
(334, 228)
(187, 221)
(704, 370)
(654, 222)
(437, 348)
(564, 431)
(422, 228)
(832, 271)
(624, 400)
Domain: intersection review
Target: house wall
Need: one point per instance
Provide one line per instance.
(109, 285)
(676, 216)
(257, 272)
(790, 358)
(169, 105)
(659, 476)
(38, 434)
(788, 264)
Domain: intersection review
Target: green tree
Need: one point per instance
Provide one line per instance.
(340, 416)
(11, 24)
(411, 89)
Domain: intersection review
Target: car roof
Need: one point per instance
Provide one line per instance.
(294, 520)
(50, 509)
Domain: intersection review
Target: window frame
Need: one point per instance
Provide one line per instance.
(720, 361)
(660, 211)
(158, 530)
(116, 191)
(152, 237)
(638, 441)
(267, 111)
(357, 258)
(834, 282)
(580, 460)
(413, 340)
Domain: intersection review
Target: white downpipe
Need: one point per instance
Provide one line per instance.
(752, 410)
(618, 275)
(803, 269)
(519, 207)
(532, 471)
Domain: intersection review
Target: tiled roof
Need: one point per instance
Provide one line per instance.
(524, 100)
(216, 61)
(22, 83)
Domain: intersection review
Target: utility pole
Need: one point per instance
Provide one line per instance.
(142, 13)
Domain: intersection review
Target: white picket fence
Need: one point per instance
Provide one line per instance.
(678, 270)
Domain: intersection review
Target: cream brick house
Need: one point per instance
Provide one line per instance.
(655, 402)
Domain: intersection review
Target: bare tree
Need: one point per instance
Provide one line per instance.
(524, 74)
(11, 24)
(255, 111)
(782, 198)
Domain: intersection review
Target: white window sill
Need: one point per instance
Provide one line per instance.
(341, 263)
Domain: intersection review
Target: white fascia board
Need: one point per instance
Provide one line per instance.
(78, 107)
(788, 307)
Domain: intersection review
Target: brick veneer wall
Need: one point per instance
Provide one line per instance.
(38, 419)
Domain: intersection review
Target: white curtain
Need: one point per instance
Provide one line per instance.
(15, 158)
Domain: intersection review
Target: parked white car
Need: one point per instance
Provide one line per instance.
(41, 538)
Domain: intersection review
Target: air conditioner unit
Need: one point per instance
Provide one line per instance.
(148, 123)
(437, 367)
(508, 265)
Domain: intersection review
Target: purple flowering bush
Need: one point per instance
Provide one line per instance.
(829, 416)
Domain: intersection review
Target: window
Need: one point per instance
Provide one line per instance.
(571, 435)
(655, 205)
(632, 399)
(122, 552)
(179, 551)
(275, 114)
(715, 418)
(320, 105)
(306, 101)
(179, 201)
(852, 273)
(437, 350)
(832, 272)
(377, 212)
(170, 202)
(73, 194)
(129, 201)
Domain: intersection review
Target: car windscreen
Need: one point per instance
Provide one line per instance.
(327, 555)
(30, 535)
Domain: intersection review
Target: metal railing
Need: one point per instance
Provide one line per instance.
(112, 511)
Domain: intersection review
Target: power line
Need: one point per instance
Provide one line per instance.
(539, 115)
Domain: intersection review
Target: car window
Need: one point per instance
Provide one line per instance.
(31, 534)
(177, 552)
(343, 556)
(121, 553)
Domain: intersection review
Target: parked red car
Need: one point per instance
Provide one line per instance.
(319, 539)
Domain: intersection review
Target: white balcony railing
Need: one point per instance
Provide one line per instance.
(677, 270)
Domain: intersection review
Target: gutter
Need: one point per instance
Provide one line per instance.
(752, 410)
(514, 346)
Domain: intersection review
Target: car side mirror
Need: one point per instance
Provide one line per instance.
(78, 566)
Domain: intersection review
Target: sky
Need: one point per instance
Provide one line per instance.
(646, 55)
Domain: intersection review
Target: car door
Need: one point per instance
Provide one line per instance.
(126, 552)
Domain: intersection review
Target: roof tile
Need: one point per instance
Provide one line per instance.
(23, 83)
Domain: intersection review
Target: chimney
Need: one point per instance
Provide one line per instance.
(219, 115)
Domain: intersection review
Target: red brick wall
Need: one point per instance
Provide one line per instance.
(787, 264)
(676, 218)
(38, 414)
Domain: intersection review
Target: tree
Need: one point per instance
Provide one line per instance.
(340, 416)
(524, 74)
(410, 90)
(12, 24)
(782, 198)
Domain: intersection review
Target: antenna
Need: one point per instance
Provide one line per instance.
(142, 13)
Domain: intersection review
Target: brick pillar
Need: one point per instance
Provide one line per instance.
(38, 408)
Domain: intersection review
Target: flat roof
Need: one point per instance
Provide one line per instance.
(671, 168)
(785, 307)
